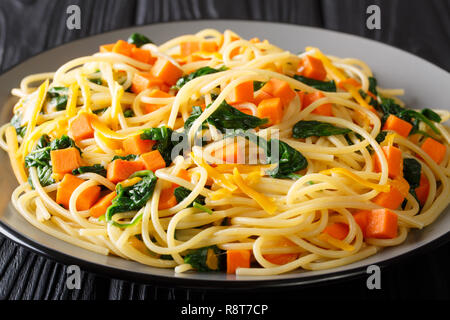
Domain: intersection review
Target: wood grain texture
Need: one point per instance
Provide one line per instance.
(28, 27)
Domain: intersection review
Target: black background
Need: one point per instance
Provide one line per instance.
(28, 27)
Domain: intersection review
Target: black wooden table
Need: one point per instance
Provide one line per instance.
(28, 27)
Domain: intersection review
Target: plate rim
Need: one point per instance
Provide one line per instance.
(211, 284)
(208, 284)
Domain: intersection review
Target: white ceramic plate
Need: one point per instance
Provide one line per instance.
(392, 67)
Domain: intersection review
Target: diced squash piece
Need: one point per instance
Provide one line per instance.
(150, 107)
(195, 57)
(136, 145)
(67, 186)
(100, 207)
(209, 46)
(281, 258)
(144, 80)
(106, 47)
(166, 71)
(235, 51)
(394, 160)
(167, 198)
(271, 109)
(142, 55)
(313, 68)
(189, 47)
(80, 127)
(123, 47)
(65, 160)
(362, 219)
(243, 92)
(279, 88)
(337, 230)
(184, 174)
(382, 224)
(398, 125)
(237, 259)
(261, 95)
(423, 189)
(434, 149)
(119, 170)
(391, 199)
(153, 160)
(323, 110)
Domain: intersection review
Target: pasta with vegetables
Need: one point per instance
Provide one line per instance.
(215, 153)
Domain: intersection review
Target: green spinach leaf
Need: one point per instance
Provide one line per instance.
(205, 259)
(40, 156)
(166, 139)
(16, 123)
(431, 115)
(96, 168)
(288, 159)
(329, 86)
(411, 172)
(130, 157)
(258, 85)
(138, 39)
(58, 97)
(132, 198)
(196, 112)
(128, 113)
(197, 73)
(304, 129)
(228, 117)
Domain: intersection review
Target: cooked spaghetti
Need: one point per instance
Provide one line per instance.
(212, 152)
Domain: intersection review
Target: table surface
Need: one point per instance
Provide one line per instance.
(28, 27)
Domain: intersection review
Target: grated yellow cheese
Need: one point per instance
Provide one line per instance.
(217, 177)
(265, 202)
(336, 242)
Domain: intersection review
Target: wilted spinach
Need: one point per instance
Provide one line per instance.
(329, 86)
(96, 168)
(130, 157)
(205, 259)
(411, 172)
(138, 39)
(40, 156)
(132, 198)
(58, 97)
(388, 107)
(288, 159)
(128, 113)
(258, 85)
(16, 122)
(181, 193)
(304, 129)
(166, 140)
(197, 73)
(431, 115)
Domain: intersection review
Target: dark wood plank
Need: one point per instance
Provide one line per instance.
(28, 27)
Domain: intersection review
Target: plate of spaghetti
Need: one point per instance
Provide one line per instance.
(230, 155)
